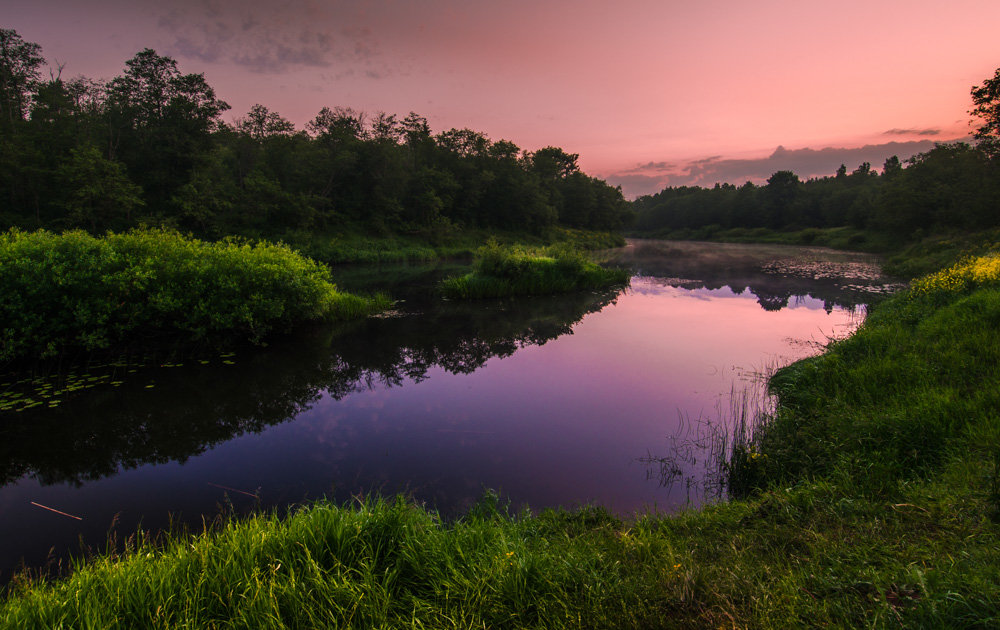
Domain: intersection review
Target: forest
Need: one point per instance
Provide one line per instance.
(151, 147)
(954, 186)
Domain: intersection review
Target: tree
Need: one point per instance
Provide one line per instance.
(20, 62)
(161, 122)
(553, 163)
(260, 123)
(892, 167)
(780, 193)
(986, 99)
(100, 193)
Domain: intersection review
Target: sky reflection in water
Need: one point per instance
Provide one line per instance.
(550, 401)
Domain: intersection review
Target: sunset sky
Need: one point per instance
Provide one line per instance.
(649, 93)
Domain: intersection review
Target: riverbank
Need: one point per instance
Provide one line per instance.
(357, 246)
(888, 522)
(909, 257)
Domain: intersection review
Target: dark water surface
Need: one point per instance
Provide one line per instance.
(554, 401)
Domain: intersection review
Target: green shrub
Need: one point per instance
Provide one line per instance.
(505, 271)
(77, 291)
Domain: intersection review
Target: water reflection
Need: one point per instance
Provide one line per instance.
(171, 414)
(773, 274)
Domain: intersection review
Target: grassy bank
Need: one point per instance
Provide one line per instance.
(871, 499)
(73, 291)
(837, 238)
(909, 257)
(506, 271)
(359, 247)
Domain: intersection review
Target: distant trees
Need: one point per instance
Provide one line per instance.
(150, 146)
(951, 186)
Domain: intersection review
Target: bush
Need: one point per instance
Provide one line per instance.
(505, 271)
(75, 291)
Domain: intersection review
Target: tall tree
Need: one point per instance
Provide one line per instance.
(20, 72)
(161, 122)
(986, 98)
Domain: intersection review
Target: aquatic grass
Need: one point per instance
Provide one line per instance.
(76, 291)
(503, 271)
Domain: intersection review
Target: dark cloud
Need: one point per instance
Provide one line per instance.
(912, 132)
(272, 38)
(651, 167)
(807, 163)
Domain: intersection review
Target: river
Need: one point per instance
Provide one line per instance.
(610, 397)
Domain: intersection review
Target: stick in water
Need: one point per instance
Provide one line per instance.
(45, 507)
(249, 494)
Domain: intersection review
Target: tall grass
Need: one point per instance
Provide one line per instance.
(914, 387)
(74, 290)
(502, 271)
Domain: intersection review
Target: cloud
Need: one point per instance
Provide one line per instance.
(635, 185)
(912, 132)
(655, 167)
(650, 177)
(271, 37)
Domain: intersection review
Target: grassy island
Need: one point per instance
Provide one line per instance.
(506, 271)
(74, 291)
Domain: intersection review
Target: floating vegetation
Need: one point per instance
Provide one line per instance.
(51, 387)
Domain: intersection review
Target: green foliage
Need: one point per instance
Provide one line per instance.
(161, 130)
(100, 192)
(502, 271)
(78, 291)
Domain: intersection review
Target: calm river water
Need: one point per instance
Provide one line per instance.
(595, 397)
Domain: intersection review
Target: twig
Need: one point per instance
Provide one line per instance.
(249, 494)
(45, 507)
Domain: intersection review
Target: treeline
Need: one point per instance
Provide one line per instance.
(953, 186)
(150, 147)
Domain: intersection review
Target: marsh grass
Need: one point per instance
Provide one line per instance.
(502, 271)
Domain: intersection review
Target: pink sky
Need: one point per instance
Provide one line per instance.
(648, 93)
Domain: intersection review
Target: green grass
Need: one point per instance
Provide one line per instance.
(871, 498)
(358, 247)
(76, 291)
(847, 238)
(507, 271)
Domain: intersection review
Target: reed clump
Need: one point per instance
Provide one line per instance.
(76, 291)
(502, 271)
